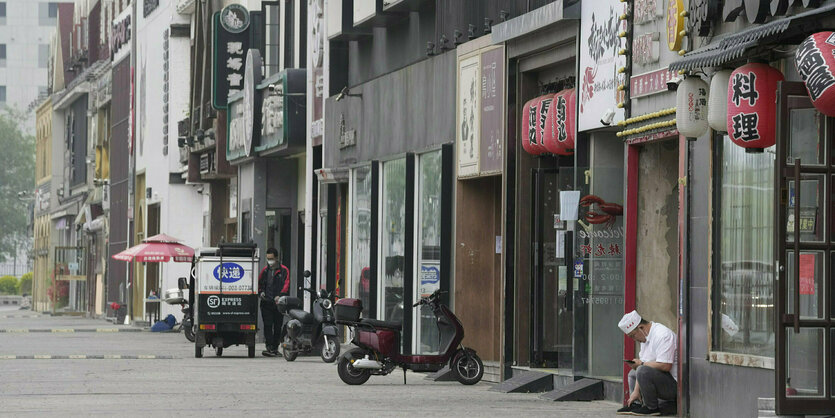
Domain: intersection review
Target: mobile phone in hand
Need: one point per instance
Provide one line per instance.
(629, 361)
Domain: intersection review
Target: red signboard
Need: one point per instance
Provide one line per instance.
(807, 274)
(650, 83)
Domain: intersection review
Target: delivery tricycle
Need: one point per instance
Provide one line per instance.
(225, 286)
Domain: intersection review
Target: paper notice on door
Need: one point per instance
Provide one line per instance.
(560, 244)
(807, 274)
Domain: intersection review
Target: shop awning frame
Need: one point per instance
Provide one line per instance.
(733, 47)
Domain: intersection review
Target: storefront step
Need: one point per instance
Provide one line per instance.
(526, 381)
(581, 390)
(766, 408)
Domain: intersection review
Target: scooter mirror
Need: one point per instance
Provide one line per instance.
(182, 283)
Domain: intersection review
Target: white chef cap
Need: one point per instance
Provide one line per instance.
(629, 322)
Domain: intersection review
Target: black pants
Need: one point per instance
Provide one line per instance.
(272, 325)
(656, 387)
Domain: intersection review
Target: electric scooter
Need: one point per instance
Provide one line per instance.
(304, 331)
(378, 346)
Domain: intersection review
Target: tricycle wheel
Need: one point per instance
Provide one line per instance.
(347, 372)
(330, 349)
(198, 351)
(219, 351)
(467, 367)
(188, 329)
(251, 351)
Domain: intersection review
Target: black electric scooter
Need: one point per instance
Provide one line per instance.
(305, 331)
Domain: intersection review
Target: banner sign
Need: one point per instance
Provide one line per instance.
(599, 63)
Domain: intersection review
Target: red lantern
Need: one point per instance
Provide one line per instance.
(559, 128)
(815, 64)
(534, 115)
(752, 105)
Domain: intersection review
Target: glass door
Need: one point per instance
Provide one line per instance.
(805, 252)
(551, 287)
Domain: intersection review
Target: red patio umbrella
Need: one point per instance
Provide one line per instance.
(156, 249)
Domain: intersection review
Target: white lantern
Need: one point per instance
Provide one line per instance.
(717, 116)
(691, 107)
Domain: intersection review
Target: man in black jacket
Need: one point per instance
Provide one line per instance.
(274, 281)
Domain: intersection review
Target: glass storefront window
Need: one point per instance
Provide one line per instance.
(361, 238)
(743, 294)
(429, 247)
(393, 237)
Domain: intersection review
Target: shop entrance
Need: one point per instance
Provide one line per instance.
(805, 256)
(552, 325)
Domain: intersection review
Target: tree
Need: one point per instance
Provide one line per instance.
(17, 175)
(25, 286)
(8, 285)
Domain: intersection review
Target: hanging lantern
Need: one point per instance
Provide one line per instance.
(717, 102)
(691, 107)
(559, 126)
(815, 64)
(534, 114)
(752, 106)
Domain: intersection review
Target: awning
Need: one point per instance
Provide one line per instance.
(791, 29)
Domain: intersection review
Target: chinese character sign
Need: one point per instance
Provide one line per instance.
(752, 105)
(228, 62)
(560, 125)
(599, 78)
(815, 61)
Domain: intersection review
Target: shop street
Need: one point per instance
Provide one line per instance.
(182, 385)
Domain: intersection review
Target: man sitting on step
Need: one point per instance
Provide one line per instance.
(653, 376)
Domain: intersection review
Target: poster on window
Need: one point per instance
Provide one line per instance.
(807, 274)
(468, 119)
(430, 277)
(598, 76)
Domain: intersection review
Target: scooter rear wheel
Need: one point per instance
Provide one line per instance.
(348, 373)
(188, 329)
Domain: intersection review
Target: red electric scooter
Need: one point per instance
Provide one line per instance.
(378, 346)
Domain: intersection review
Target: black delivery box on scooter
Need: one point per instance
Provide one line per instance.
(348, 310)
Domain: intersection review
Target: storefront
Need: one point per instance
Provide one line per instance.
(385, 194)
(758, 300)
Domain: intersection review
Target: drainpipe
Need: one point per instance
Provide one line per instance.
(132, 164)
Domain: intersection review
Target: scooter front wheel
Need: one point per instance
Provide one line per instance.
(330, 349)
(347, 372)
(468, 367)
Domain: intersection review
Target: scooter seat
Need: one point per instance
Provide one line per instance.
(382, 324)
(303, 316)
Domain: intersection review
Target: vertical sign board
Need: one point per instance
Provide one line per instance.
(317, 54)
(492, 110)
(230, 43)
(599, 63)
(469, 115)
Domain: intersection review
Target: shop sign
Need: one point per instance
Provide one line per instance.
(283, 112)
(701, 15)
(243, 117)
(815, 62)
(42, 196)
(758, 11)
(120, 37)
(650, 83)
(675, 24)
(808, 219)
(491, 149)
(600, 25)
(317, 54)
(646, 11)
(646, 49)
(148, 7)
(752, 105)
(230, 43)
(469, 116)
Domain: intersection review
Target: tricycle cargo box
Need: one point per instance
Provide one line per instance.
(285, 303)
(348, 309)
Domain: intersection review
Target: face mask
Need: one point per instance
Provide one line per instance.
(271, 262)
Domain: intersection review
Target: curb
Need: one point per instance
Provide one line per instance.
(19, 316)
(67, 330)
(87, 357)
